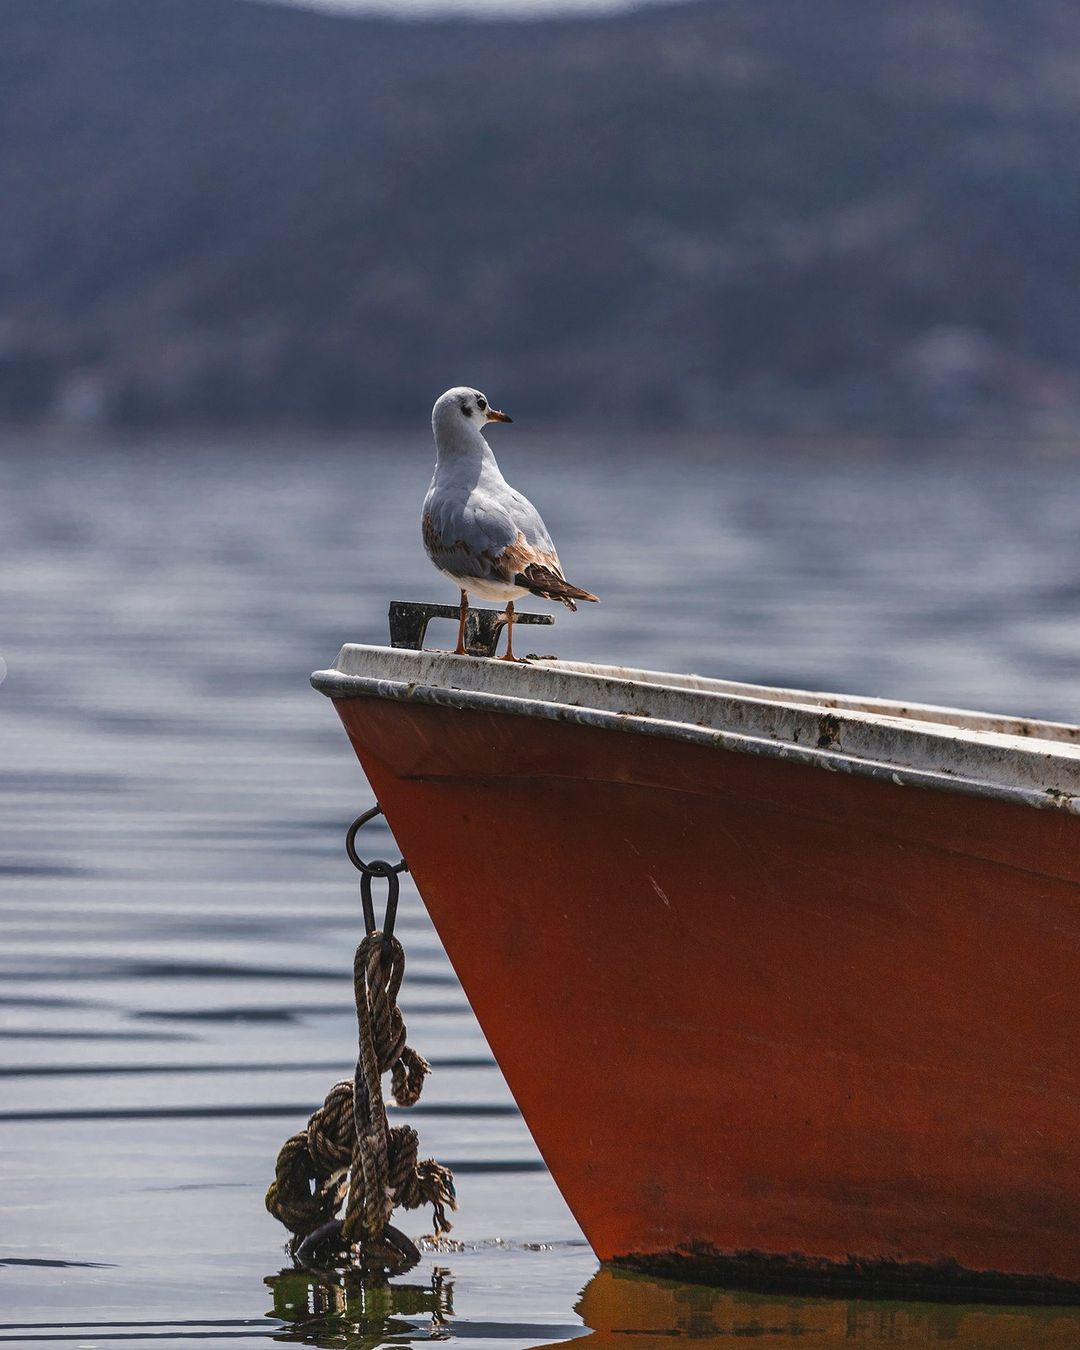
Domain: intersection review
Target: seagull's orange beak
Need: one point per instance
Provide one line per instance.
(495, 416)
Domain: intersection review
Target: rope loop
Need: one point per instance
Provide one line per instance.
(349, 1153)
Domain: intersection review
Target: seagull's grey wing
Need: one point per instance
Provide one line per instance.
(497, 538)
(469, 538)
(507, 528)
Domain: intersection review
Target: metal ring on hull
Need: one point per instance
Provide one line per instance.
(378, 867)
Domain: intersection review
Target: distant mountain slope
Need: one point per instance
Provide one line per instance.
(747, 212)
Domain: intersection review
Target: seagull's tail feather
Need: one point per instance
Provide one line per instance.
(549, 585)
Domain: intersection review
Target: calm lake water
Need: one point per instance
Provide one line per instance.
(177, 916)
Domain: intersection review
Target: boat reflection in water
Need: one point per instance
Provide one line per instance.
(637, 1312)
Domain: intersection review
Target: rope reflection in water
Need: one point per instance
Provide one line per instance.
(316, 1305)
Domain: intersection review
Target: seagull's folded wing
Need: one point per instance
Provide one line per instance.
(502, 540)
(488, 540)
(463, 547)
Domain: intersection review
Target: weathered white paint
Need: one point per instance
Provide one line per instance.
(1037, 763)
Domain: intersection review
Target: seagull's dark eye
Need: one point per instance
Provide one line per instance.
(481, 403)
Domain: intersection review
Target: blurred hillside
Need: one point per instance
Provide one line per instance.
(762, 214)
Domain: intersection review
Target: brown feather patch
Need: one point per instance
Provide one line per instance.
(552, 585)
(516, 557)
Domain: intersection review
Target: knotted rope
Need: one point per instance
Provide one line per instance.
(350, 1148)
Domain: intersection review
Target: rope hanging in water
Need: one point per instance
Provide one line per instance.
(349, 1147)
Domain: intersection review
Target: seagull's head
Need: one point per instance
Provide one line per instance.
(464, 407)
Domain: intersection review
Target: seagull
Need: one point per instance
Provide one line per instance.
(478, 531)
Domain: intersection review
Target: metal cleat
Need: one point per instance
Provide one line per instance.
(409, 620)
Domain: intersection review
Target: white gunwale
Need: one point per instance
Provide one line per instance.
(946, 749)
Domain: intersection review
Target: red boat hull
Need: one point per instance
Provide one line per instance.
(752, 1008)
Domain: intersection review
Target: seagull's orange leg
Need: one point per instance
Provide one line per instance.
(459, 650)
(509, 654)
